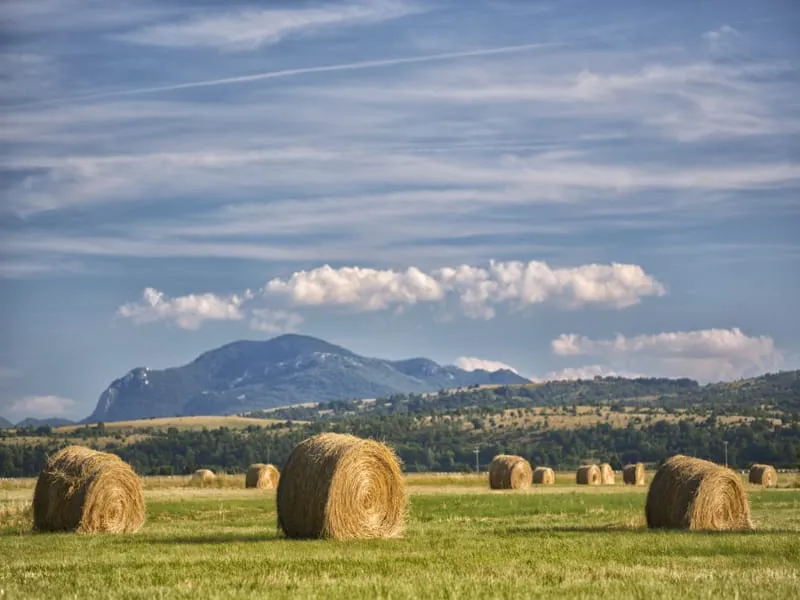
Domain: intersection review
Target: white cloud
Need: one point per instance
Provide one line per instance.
(584, 372)
(188, 312)
(523, 284)
(477, 289)
(359, 288)
(708, 355)
(275, 321)
(719, 39)
(252, 28)
(471, 363)
(38, 406)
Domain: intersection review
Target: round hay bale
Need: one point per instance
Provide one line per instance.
(588, 475)
(690, 493)
(544, 475)
(607, 476)
(342, 487)
(509, 472)
(765, 475)
(262, 476)
(633, 474)
(87, 491)
(203, 477)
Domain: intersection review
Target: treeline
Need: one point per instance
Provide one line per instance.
(439, 446)
(762, 397)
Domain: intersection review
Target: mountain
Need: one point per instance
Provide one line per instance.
(52, 422)
(5, 423)
(288, 369)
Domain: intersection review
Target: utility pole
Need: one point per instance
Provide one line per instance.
(477, 463)
(725, 443)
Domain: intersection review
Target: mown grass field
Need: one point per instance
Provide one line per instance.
(462, 541)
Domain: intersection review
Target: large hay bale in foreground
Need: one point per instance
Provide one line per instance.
(262, 476)
(765, 475)
(87, 491)
(544, 475)
(588, 475)
(510, 472)
(690, 493)
(343, 487)
(203, 477)
(607, 476)
(633, 474)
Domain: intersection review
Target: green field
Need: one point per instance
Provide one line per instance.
(462, 541)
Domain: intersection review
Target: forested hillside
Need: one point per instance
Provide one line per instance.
(556, 424)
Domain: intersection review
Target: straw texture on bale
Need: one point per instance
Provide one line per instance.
(342, 487)
(588, 475)
(87, 491)
(607, 476)
(262, 476)
(544, 475)
(690, 493)
(633, 474)
(203, 477)
(765, 475)
(510, 472)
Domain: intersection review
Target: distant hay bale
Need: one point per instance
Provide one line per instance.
(607, 476)
(509, 472)
(203, 477)
(87, 491)
(765, 475)
(588, 475)
(342, 487)
(633, 474)
(690, 493)
(544, 475)
(262, 476)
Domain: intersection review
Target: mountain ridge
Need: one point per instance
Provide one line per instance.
(289, 369)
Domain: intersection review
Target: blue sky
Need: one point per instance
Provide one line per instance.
(568, 188)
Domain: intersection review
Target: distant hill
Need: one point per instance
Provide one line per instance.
(5, 423)
(289, 369)
(52, 422)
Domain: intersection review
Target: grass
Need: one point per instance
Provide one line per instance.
(462, 541)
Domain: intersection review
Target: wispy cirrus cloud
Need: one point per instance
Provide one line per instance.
(251, 28)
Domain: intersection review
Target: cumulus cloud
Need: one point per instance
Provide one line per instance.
(583, 372)
(357, 287)
(471, 363)
(275, 321)
(188, 312)
(38, 406)
(709, 355)
(535, 282)
(252, 28)
(477, 289)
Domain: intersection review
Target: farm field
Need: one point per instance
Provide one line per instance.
(462, 541)
(184, 423)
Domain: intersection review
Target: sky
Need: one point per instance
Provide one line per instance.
(568, 189)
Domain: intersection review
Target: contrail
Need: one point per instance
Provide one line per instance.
(354, 66)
